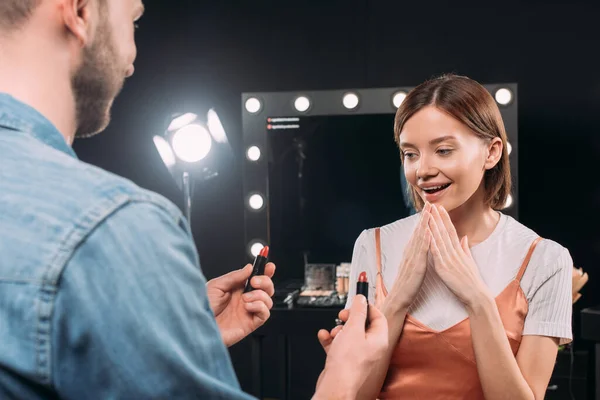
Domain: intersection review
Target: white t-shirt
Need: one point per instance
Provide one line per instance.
(547, 282)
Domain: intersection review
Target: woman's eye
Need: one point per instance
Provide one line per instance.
(444, 152)
(409, 155)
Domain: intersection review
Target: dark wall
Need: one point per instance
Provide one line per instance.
(197, 54)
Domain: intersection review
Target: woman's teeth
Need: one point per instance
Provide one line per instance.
(436, 188)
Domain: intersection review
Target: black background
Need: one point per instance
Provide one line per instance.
(197, 54)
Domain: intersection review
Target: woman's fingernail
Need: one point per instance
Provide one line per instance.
(248, 296)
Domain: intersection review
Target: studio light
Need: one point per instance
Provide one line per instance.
(192, 149)
(253, 105)
(398, 98)
(503, 96)
(508, 147)
(255, 247)
(350, 101)
(302, 104)
(192, 143)
(509, 201)
(165, 151)
(253, 153)
(215, 126)
(181, 121)
(256, 202)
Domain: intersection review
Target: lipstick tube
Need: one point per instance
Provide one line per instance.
(258, 268)
(362, 287)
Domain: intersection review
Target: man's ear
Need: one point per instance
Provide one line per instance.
(495, 149)
(77, 18)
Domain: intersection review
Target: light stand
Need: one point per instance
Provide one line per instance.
(187, 197)
(192, 149)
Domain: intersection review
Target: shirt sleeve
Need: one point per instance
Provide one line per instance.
(132, 318)
(551, 305)
(363, 259)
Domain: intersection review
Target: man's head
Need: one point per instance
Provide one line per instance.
(14, 13)
(94, 38)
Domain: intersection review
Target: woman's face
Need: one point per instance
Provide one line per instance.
(443, 159)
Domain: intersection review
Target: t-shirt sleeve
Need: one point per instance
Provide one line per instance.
(363, 259)
(551, 304)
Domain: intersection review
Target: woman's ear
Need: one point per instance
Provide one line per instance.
(494, 153)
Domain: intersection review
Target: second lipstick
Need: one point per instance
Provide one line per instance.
(362, 287)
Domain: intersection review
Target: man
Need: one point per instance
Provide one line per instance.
(101, 294)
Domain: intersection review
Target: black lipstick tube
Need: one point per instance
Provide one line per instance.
(363, 288)
(258, 268)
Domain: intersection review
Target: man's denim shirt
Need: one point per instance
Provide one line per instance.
(101, 293)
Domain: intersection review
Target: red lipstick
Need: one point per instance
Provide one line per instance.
(258, 268)
(362, 287)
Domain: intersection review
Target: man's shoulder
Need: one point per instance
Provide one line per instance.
(52, 201)
(99, 187)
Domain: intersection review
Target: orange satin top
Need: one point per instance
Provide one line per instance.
(429, 364)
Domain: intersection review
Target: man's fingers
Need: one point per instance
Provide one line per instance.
(377, 320)
(270, 269)
(377, 335)
(263, 283)
(358, 313)
(233, 280)
(259, 309)
(325, 339)
(336, 330)
(258, 295)
(344, 314)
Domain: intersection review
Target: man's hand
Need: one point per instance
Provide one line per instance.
(352, 352)
(240, 314)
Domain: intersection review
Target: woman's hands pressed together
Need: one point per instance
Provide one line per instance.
(453, 261)
(414, 264)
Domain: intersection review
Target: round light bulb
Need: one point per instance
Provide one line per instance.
(302, 103)
(191, 143)
(398, 98)
(255, 248)
(503, 96)
(253, 105)
(256, 202)
(253, 153)
(350, 101)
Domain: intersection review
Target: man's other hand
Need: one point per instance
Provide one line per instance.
(238, 314)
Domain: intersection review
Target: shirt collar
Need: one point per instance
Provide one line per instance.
(20, 117)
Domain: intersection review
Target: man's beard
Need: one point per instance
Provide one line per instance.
(96, 84)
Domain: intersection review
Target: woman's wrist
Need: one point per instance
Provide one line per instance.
(395, 305)
(479, 301)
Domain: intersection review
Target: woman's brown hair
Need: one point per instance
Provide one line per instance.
(470, 103)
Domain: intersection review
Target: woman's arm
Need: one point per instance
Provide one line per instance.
(549, 318)
(499, 372)
(501, 375)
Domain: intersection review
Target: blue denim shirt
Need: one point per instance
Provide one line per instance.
(101, 292)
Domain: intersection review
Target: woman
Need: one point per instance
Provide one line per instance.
(477, 304)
